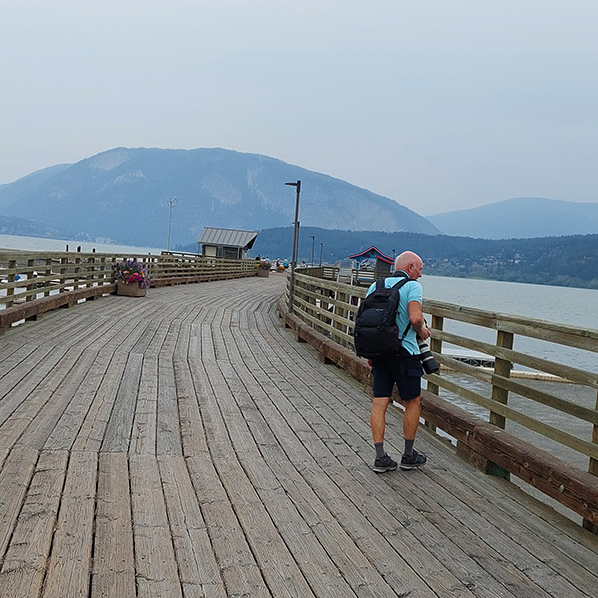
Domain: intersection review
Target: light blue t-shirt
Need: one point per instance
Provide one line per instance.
(410, 291)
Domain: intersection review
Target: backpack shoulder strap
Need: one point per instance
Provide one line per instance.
(398, 285)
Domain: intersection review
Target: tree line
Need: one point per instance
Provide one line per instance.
(562, 261)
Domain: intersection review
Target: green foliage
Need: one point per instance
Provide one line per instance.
(561, 261)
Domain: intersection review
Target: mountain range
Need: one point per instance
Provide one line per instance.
(521, 218)
(123, 194)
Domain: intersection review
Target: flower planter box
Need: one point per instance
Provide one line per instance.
(262, 272)
(129, 290)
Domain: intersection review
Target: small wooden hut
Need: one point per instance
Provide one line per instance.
(226, 243)
(372, 264)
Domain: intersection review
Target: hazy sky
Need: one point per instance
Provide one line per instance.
(438, 104)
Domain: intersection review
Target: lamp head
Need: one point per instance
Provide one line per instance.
(297, 184)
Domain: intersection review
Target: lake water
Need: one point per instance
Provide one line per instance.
(43, 244)
(565, 305)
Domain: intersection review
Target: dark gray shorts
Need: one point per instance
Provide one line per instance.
(404, 370)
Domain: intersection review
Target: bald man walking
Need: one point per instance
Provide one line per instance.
(404, 370)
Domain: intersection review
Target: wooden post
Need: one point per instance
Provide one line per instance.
(76, 277)
(12, 264)
(62, 276)
(30, 282)
(436, 346)
(47, 273)
(589, 525)
(91, 272)
(339, 311)
(502, 367)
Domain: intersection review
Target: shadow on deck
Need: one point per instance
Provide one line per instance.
(184, 445)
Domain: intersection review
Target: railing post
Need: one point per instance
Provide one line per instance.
(339, 311)
(30, 282)
(102, 276)
(76, 272)
(63, 269)
(48, 273)
(91, 271)
(590, 525)
(12, 264)
(436, 346)
(502, 367)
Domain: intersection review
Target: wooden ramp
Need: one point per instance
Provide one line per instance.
(184, 445)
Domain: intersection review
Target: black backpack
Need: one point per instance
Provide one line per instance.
(376, 333)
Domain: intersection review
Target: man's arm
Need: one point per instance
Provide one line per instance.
(416, 317)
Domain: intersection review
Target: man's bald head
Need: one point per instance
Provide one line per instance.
(410, 263)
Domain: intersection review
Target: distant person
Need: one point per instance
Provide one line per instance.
(404, 370)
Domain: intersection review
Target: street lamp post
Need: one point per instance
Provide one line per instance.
(170, 205)
(313, 238)
(321, 251)
(295, 243)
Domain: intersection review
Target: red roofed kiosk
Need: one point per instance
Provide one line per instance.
(373, 264)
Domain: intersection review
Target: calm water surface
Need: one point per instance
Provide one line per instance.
(43, 244)
(565, 305)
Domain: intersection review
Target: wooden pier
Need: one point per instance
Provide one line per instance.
(184, 445)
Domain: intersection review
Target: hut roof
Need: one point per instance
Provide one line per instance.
(370, 253)
(228, 237)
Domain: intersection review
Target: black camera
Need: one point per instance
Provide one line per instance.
(429, 364)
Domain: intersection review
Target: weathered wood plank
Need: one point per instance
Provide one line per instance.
(92, 432)
(22, 381)
(67, 427)
(113, 563)
(68, 376)
(570, 563)
(193, 437)
(24, 567)
(118, 431)
(143, 434)
(168, 436)
(15, 477)
(69, 567)
(12, 355)
(155, 562)
(238, 567)
(198, 568)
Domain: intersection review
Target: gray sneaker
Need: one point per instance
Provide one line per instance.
(414, 461)
(384, 464)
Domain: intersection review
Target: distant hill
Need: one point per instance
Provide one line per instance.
(561, 261)
(13, 192)
(123, 194)
(521, 218)
(29, 228)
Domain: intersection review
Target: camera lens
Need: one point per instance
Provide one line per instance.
(429, 364)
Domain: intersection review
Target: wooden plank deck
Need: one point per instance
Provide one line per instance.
(184, 445)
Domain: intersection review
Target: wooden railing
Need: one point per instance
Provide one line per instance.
(329, 307)
(34, 282)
